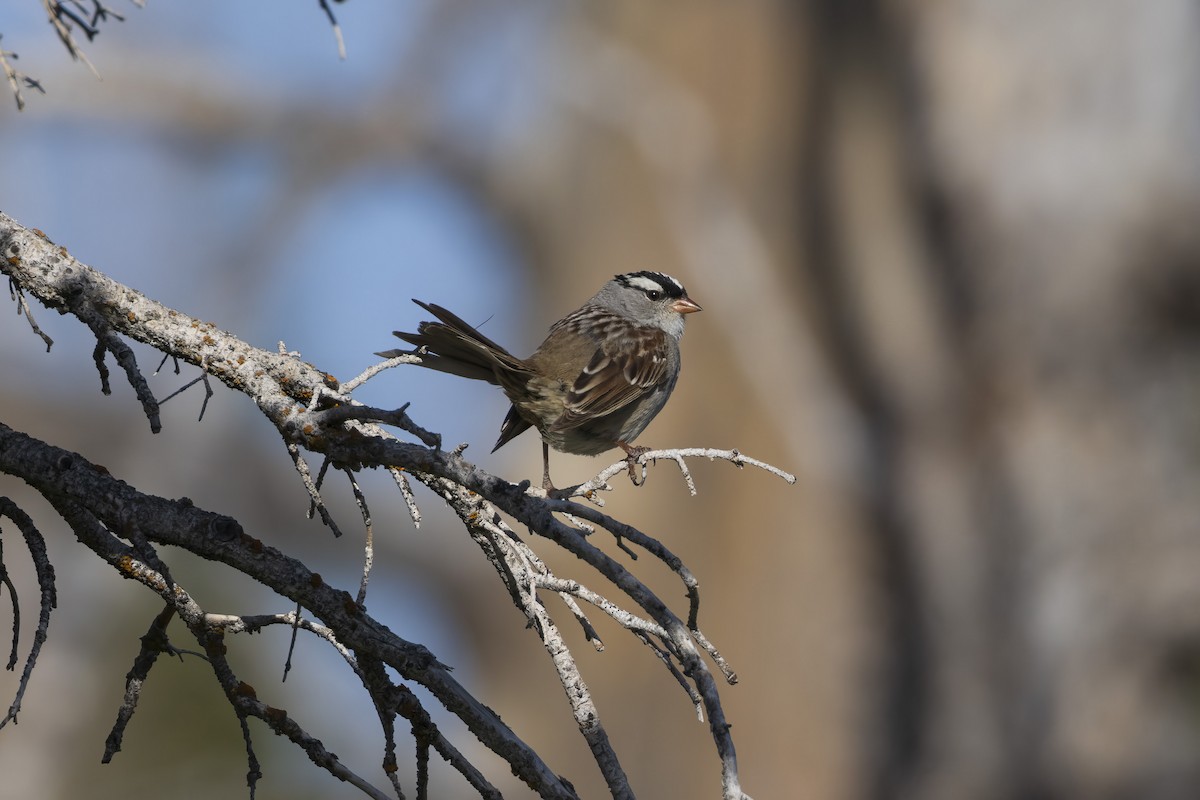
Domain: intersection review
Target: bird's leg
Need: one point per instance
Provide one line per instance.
(632, 454)
(546, 484)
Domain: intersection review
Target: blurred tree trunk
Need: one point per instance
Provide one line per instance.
(1000, 205)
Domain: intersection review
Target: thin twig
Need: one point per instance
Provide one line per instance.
(624, 618)
(183, 388)
(337, 29)
(14, 652)
(384, 695)
(208, 393)
(314, 493)
(406, 492)
(203, 378)
(98, 358)
(396, 417)
(14, 289)
(665, 656)
(175, 361)
(589, 488)
(253, 768)
(378, 367)
(252, 623)
(36, 545)
(716, 656)
(369, 540)
(16, 77)
(287, 662)
(56, 11)
(154, 642)
(106, 339)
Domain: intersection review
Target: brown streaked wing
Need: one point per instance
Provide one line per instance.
(611, 381)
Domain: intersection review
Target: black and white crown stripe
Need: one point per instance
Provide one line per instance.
(647, 281)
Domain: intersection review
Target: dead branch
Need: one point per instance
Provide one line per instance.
(314, 413)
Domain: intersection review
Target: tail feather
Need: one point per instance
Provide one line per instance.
(456, 323)
(514, 424)
(453, 346)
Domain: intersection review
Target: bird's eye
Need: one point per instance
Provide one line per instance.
(654, 295)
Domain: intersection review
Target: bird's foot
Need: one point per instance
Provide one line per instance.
(632, 454)
(552, 491)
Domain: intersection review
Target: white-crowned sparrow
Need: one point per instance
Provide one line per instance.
(597, 380)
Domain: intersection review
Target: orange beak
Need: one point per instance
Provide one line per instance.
(685, 305)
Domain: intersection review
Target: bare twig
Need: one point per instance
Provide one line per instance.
(406, 492)
(544, 574)
(716, 656)
(253, 769)
(626, 619)
(287, 662)
(15, 602)
(14, 291)
(174, 360)
(378, 367)
(102, 368)
(252, 623)
(383, 694)
(182, 389)
(665, 656)
(314, 494)
(16, 78)
(208, 392)
(48, 597)
(107, 340)
(369, 539)
(588, 489)
(63, 20)
(154, 642)
(397, 417)
(337, 29)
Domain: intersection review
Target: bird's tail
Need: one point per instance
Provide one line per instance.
(451, 345)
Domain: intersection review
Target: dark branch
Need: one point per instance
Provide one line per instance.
(48, 597)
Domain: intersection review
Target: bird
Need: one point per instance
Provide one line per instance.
(602, 374)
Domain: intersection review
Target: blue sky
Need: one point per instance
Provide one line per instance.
(156, 210)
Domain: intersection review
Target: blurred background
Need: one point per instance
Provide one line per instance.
(948, 255)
